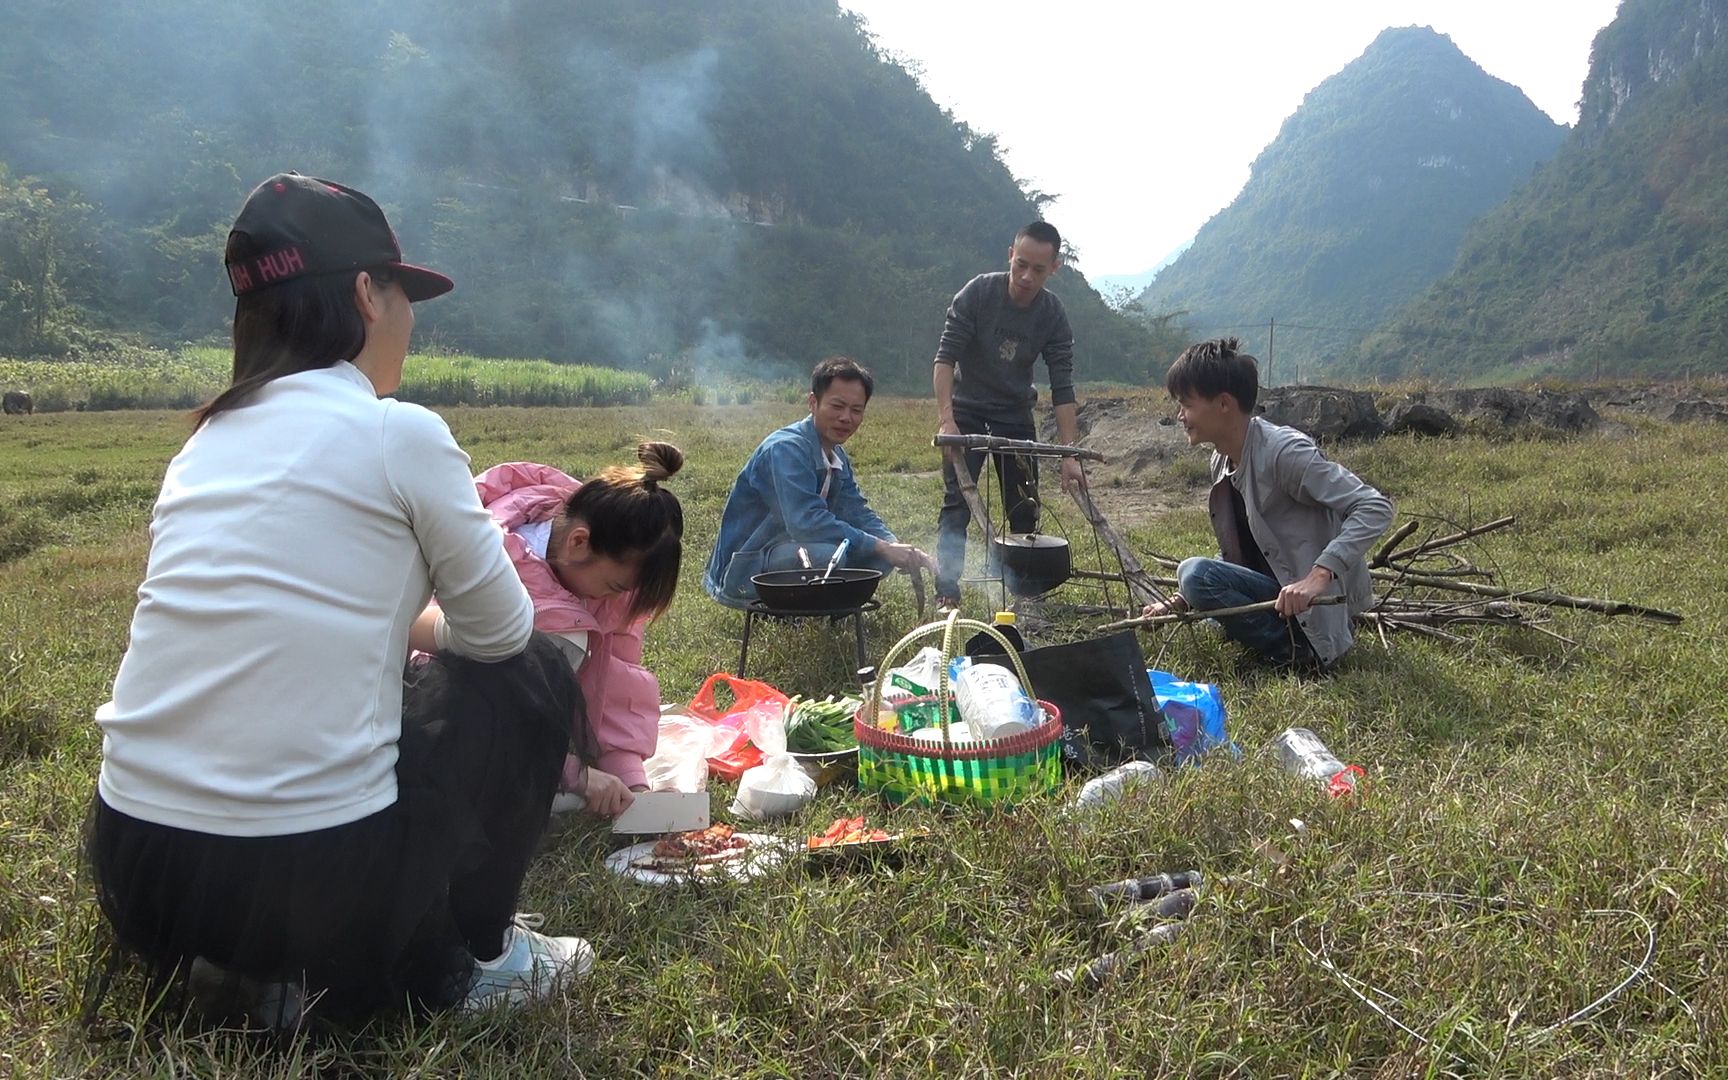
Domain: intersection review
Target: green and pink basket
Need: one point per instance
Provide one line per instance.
(989, 772)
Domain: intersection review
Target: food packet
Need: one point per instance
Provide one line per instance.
(779, 786)
(917, 678)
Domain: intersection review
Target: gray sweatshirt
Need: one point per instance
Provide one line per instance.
(992, 345)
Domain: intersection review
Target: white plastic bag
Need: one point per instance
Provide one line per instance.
(924, 670)
(680, 761)
(778, 786)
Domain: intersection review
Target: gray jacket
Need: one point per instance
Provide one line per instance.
(1305, 511)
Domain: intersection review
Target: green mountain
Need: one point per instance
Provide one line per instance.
(1614, 260)
(1358, 204)
(672, 184)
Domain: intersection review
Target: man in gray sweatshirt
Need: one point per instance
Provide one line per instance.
(996, 329)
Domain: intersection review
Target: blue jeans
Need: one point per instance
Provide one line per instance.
(1209, 584)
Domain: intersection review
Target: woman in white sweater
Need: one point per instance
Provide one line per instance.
(277, 817)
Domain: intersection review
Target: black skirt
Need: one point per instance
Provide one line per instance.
(385, 912)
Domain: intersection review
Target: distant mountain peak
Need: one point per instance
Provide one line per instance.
(1361, 200)
(1611, 261)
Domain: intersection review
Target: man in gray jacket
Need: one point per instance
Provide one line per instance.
(1291, 524)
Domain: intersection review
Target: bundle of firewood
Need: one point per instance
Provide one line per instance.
(1427, 585)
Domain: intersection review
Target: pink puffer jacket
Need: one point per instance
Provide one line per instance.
(623, 696)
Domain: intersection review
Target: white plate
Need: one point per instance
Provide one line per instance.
(764, 853)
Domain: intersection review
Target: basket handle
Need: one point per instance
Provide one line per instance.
(943, 691)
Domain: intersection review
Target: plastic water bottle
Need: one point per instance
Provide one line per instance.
(1303, 754)
(1109, 787)
(991, 701)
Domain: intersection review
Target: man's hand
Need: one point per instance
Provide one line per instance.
(1296, 597)
(906, 557)
(946, 426)
(607, 796)
(1175, 605)
(1073, 476)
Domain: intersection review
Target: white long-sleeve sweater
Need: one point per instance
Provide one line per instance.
(294, 542)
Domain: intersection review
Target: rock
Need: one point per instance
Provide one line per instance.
(1324, 413)
(1421, 418)
(1089, 412)
(1498, 410)
(1697, 411)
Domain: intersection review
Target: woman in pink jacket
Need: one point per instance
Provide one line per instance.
(600, 559)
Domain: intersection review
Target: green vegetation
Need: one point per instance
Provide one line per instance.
(1565, 780)
(1612, 261)
(156, 379)
(1358, 204)
(740, 188)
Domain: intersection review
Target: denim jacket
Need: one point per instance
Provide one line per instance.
(778, 497)
(1304, 511)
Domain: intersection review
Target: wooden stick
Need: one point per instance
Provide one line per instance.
(1428, 631)
(1457, 537)
(1393, 541)
(1548, 599)
(1215, 613)
(1142, 588)
(969, 491)
(995, 444)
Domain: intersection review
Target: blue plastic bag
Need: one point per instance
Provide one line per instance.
(1193, 716)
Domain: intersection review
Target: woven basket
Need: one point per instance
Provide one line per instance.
(989, 772)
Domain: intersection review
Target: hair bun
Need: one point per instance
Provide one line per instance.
(660, 462)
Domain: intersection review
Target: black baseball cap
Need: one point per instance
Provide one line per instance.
(301, 225)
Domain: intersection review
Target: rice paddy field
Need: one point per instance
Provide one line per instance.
(187, 377)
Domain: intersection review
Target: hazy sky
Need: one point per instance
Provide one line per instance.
(1180, 96)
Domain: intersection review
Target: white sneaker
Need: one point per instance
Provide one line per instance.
(531, 966)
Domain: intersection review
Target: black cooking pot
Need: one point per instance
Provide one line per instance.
(805, 590)
(1033, 563)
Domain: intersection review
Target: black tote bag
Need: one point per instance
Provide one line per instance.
(1108, 709)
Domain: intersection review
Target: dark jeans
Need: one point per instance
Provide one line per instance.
(391, 908)
(1017, 480)
(1209, 584)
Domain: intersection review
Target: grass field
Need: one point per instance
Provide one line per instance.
(1562, 781)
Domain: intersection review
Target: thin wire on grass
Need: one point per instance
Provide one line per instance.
(1323, 960)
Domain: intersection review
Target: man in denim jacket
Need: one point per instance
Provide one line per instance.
(798, 490)
(1292, 525)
